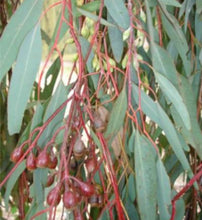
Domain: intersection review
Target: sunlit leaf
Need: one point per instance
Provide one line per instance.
(23, 77)
(20, 24)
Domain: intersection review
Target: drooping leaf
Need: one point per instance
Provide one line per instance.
(146, 178)
(192, 136)
(38, 116)
(163, 63)
(176, 35)
(94, 17)
(189, 5)
(174, 97)
(56, 100)
(20, 24)
(117, 114)
(172, 3)
(11, 182)
(198, 6)
(131, 210)
(85, 47)
(118, 12)
(53, 71)
(164, 191)
(180, 207)
(155, 112)
(91, 7)
(23, 77)
(131, 187)
(39, 181)
(116, 41)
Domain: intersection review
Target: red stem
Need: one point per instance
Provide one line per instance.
(109, 163)
(182, 191)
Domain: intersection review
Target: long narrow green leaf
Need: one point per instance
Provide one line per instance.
(172, 3)
(20, 24)
(11, 182)
(146, 177)
(56, 100)
(192, 136)
(155, 112)
(23, 78)
(116, 41)
(94, 17)
(173, 95)
(117, 115)
(163, 63)
(164, 191)
(175, 33)
(119, 13)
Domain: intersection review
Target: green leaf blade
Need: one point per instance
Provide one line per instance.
(118, 12)
(23, 77)
(118, 114)
(164, 191)
(146, 178)
(116, 41)
(20, 24)
(173, 95)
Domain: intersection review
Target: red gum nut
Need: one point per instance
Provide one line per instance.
(70, 200)
(54, 197)
(50, 180)
(53, 161)
(42, 159)
(90, 165)
(16, 154)
(31, 161)
(87, 189)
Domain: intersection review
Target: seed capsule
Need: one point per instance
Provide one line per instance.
(54, 197)
(43, 159)
(50, 180)
(69, 200)
(53, 161)
(31, 162)
(16, 154)
(79, 148)
(87, 189)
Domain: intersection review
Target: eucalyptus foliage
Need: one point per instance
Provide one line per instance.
(124, 78)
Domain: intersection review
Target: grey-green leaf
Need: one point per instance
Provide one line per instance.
(146, 177)
(119, 13)
(118, 114)
(94, 17)
(164, 191)
(11, 182)
(175, 98)
(116, 41)
(23, 77)
(155, 112)
(163, 63)
(56, 100)
(20, 24)
(176, 35)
